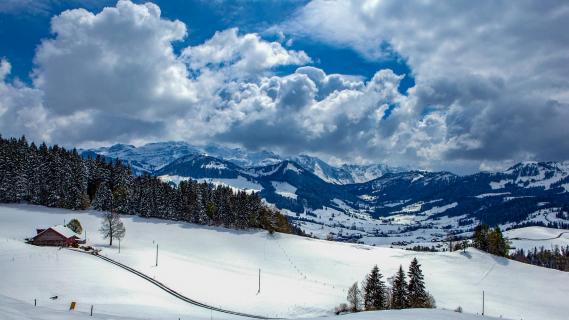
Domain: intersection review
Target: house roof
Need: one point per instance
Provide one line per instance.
(62, 230)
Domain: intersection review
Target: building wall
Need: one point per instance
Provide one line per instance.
(49, 238)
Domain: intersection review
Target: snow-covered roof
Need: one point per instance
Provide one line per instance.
(63, 230)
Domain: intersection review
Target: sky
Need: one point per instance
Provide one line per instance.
(438, 85)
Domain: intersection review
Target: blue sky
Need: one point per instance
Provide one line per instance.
(431, 85)
(24, 28)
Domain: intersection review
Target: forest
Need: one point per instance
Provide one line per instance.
(55, 177)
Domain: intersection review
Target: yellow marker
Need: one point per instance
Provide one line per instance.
(72, 306)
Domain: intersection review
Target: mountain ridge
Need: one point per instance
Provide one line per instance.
(313, 193)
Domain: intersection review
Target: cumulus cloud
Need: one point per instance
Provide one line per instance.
(21, 108)
(244, 56)
(113, 76)
(120, 59)
(489, 70)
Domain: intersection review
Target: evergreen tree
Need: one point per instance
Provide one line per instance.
(491, 241)
(75, 225)
(418, 296)
(399, 291)
(481, 237)
(104, 198)
(497, 244)
(375, 296)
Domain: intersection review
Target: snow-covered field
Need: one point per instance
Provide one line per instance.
(11, 309)
(536, 237)
(300, 277)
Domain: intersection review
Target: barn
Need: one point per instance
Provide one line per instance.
(59, 236)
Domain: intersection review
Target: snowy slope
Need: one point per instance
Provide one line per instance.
(301, 277)
(536, 237)
(11, 309)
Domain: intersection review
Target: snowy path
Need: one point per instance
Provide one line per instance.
(543, 239)
(171, 291)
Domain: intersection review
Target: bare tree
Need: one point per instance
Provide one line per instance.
(355, 298)
(112, 227)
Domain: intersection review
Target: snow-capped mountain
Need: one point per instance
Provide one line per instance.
(146, 158)
(200, 166)
(345, 174)
(364, 173)
(152, 157)
(305, 184)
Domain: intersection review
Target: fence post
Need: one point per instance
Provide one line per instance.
(35, 302)
(91, 310)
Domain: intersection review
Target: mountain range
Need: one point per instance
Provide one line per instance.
(308, 188)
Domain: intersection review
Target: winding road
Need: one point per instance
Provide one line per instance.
(172, 291)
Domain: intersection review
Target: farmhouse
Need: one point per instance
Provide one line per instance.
(60, 236)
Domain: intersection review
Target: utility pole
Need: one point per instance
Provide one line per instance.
(482, 302)
(119, 245)
(259, 281)
(157, 254)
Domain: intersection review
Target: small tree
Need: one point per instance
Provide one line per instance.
(112, 227)
(354, 298)
(399, 290)
(75, 225)
(480, 237)
(418, 296)
(497, 243)
(374, 291)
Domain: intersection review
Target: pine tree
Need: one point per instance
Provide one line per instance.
(104, 198)
(375, 296)
(497, 244)
(418, 296)
(399, 291)
(481, 237)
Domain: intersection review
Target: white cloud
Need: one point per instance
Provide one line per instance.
(243, 55)
(488, 70)
(118, 61)
(21, 108)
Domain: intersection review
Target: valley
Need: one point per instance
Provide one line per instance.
(387, 206)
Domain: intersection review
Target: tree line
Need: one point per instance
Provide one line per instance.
(375, 294)
(493, 241)
(557, 258)
(55, 177)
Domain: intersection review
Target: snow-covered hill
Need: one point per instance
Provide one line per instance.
(300, 277)
(11, 309)
(529, 238)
